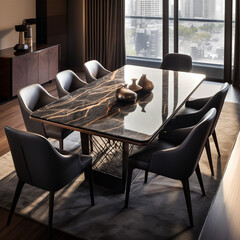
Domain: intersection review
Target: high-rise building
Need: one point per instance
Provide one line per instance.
(198, 8)
(188, 8)
(185, 8)
(192, 8)
(150, 8)
(130, 8)
(209, 9)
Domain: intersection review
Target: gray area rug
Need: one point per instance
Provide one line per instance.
(157, 210)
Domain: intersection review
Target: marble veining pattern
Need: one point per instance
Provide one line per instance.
(95, 109)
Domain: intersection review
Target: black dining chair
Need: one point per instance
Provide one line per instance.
(177, 62)
(192, 112)
(174, 161)
(32, 98)
(67, 81)
(39, 164)
(94, 70)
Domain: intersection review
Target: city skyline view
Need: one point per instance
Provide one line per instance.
(201, 30)
(212, 9)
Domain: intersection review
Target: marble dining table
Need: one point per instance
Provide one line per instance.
(111, 130)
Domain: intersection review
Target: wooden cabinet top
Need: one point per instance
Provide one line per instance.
(10, 52)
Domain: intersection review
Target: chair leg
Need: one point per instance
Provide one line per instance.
(129, 180)
(186, 190)
(208, 150)
(50, 214)
(146, 176)
(61, 144)
(199, 176)
(91, 142)
(216, 142)
(90, 179)
(18, 191)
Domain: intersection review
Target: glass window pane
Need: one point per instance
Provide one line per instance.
(201, 30)
(143, 28)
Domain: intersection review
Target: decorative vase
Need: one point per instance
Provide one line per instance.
(123, 94)
(134, 86)
(146, 84)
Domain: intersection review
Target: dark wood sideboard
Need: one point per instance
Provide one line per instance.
(19, 69)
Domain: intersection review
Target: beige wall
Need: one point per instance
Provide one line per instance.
(12, 12)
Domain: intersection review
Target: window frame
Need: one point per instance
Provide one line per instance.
(214, 72)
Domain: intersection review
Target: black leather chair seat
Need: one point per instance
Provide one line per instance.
(56, 132)
(142, 157)
(41, 165)
(85, 160)
(197, 103)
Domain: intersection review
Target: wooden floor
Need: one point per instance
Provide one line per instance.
(10, 114)
(21, 228)
(26, 229)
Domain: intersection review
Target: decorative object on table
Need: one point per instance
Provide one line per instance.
(28, 33)
(147, 98)
(21, 46)
(145, 83)
(123, 94)
(134, 86)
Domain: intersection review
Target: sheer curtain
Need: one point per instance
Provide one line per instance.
(104, 32)
(236, 67)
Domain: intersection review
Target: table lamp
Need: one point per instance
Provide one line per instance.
(21, 46)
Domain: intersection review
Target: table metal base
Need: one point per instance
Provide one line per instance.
(109, 161)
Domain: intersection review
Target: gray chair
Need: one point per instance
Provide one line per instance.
(177, 62)
(67, 81)
(174, 161)
(32, 98)
(39, 164)
(94, 70)
(192, 112)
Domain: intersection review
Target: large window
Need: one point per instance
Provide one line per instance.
(143, 28)
(200, 29)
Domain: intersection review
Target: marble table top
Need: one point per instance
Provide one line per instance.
(94, 109)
